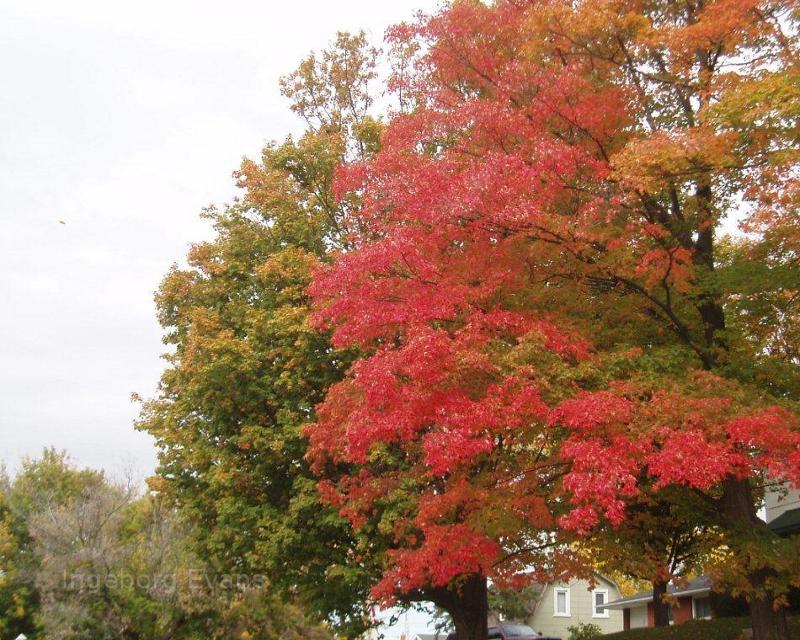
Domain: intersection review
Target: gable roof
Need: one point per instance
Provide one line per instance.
(609, 580)
(787, 523)
(540, 588)
(695, 586)
(596, 574)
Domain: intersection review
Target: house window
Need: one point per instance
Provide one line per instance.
(702, 608)
(599, 598)
(561, 602)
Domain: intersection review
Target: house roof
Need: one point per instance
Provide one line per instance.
(429, 636)
(542, 586)
(695, 586)
(787, 523)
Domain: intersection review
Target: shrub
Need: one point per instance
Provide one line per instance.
(584, 632)
(726, 606)
(719, 629)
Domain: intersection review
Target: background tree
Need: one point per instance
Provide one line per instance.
(42, 484)
(104, 561)
(114, 564)
(18, 598)
(663, 538)
(514, 604)
(247, 368)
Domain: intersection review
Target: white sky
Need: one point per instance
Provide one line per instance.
(124, 119)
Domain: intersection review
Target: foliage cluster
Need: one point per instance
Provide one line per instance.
(585, 632)
(502, 334)
(719, 629)
(93, 558)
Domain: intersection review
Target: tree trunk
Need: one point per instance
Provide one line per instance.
(737, 500)
(660, 606)
(768, 623)
(471, 613)
(468, 606)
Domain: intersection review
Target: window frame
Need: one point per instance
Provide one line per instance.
(604, 613)
(694, 608)
(567, 598)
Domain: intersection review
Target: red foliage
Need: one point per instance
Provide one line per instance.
(618, 445)
(438, 425)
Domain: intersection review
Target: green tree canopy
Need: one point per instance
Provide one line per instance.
(246, 367)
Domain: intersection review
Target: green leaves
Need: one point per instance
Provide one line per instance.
(247, 366)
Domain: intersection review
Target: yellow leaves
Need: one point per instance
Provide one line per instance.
(652, 163)
(157, 485)
(331, 89)
(590, 26)
(290, 269)
(764, 109)
(8, 549)
(266, 187)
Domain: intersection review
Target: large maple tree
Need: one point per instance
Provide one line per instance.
(551, 321)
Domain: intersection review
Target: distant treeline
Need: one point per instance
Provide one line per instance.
(85, 556)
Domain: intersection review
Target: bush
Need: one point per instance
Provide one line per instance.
(719, 629)
(725, 605)
(584, 632)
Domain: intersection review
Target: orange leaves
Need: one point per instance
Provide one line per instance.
(672, 267)
(688, 458)
(775, 434)
(663, 158)
(727, 24)
(603, 473)
(564, 343)
(432, 403)
(437, 389)
(449, 551)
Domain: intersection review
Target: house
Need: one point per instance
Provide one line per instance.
(787, 524)
(691, 602)
(783, 512)
(427, 636)
(560, 605)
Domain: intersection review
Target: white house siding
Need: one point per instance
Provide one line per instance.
(581, 608)
(776, 504)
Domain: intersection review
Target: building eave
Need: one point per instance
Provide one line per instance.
(627, 603)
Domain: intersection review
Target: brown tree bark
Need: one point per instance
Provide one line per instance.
(660, 605)
(468, 606)
(738, 504)
(768, 622)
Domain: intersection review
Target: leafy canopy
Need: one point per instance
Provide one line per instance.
(551, 325)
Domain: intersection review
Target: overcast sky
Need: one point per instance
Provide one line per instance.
(123, 119)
